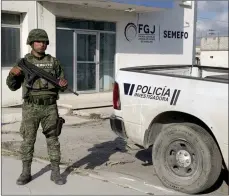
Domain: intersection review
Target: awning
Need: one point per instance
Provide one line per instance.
(124, 5)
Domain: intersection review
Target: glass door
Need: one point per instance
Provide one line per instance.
(86, 69)
(106, 61)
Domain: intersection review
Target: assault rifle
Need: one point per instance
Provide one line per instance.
(35, 72)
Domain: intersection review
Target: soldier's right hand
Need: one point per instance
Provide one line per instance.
(15, 71)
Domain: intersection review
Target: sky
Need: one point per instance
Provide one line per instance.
(212, 15)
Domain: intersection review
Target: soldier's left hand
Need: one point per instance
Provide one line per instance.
(63, 82)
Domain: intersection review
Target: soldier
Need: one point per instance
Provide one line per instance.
(39, 106)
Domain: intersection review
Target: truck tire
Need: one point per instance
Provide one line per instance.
(186, 158)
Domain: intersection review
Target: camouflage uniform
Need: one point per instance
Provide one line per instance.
(39, 106)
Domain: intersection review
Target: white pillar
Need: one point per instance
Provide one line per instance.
(47, 21)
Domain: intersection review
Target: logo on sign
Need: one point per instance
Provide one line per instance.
(144, 32)
(130, 31)
(152, 92)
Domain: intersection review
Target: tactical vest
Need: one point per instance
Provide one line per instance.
(48, 64)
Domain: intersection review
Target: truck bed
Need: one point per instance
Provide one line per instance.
(213, 74)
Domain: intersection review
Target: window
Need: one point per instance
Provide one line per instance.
(10, 36)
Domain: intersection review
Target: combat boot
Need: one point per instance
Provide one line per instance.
(25, 176)
(55, 174)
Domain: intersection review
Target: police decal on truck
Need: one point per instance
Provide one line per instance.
(152, 92)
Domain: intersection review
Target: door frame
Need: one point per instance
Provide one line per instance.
(90, 31)
(96, 62)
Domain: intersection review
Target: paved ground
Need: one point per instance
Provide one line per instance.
(78, 183)
(93, 147)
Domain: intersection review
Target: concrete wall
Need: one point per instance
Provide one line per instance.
(220, 58)
(214, 44)
(162, 50)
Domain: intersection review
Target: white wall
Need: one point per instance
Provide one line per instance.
(27, 8)
(47, 21)
(163, 51)
(220, 58)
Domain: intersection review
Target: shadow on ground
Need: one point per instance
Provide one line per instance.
(145, 156)
(41, 172)
(99, 155)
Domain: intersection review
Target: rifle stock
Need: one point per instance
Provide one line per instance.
(35, 72)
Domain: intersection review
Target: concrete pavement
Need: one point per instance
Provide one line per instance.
(77, 184)
(96, 105)
(101, 156)
(84, 101)
(72, 116)
(14, 115)
(102, 113)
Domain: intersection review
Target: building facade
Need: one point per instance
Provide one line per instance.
(214, 51)
(94, 39)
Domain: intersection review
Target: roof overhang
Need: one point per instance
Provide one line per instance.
(123, 5)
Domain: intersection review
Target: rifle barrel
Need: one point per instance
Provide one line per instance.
(73, 92)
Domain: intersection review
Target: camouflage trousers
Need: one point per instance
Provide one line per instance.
(32, 116)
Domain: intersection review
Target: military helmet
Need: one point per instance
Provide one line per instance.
(37, 35)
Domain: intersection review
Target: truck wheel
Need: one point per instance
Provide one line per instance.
(186, 158)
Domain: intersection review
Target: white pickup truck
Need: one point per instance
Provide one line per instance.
(181, 112)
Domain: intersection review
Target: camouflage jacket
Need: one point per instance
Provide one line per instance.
(41, 87)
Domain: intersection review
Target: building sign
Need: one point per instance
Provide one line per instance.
(146, 33)
(175, 34)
